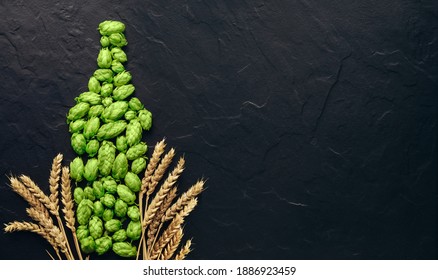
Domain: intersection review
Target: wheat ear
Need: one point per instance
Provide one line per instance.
(165, 237)
(18, 187)
(152, 165)
(171, 247)
(39, 194)
(55, 173)
(184, 251)
(32, 227)
(184, 200)
(159, 197)
(162, 192)
(68, 211)
(51, 229)
(155, 225)
(150, 170)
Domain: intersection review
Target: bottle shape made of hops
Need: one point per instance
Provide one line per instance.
(107, 125)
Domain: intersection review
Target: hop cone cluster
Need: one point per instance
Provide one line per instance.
(107, 125)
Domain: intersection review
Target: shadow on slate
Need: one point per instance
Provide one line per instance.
(314, 123)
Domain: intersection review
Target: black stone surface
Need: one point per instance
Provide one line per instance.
(314, 121)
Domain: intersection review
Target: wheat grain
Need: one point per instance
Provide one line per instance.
(171, 247)
(32, 227)
(185, 199)
(184, 251)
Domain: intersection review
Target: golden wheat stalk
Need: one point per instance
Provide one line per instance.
(54, 181)
(68, 211)
(160, 196)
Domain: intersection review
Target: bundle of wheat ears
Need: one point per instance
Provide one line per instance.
(162, 213)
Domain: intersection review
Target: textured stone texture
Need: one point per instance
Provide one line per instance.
(314, 121)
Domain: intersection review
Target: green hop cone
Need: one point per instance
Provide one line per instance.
(84, 211)
(117, 66)
(136, 151)
(98, 189)
(88, 193)
(120, 166)
(115, 111)
(82, 232)
(103, 244)
(95, 111)
(111, 130)
(91, 127)
(124, 249)
(89, 97)
(103, 75)
(109, 27)
(107, 215)
(145, 119)
(138, 165)
(132, 181)
(119, 55)
(118, 40)
(104, 58)
(122, 144)
(110, 185)
(126, 194)
(91, 170)
(108, 200)
(77, 126)
(135, 104)
(105, 157)
(107, 101)
(78, 111)
(122, 78)
(78, 195)
(95, 225)
(120, 208)
(134, 230)
(77, 169)
(134, 213)
(98, 208)
(130, 115)
(88, 245)
(78, 143)
(113, 225)
(104, 41)
(119, 236)
(106, 89)
(122, 92)
(92, 147)
(93, 85)
(133, 132)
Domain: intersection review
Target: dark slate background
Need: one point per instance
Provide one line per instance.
(313, 121)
